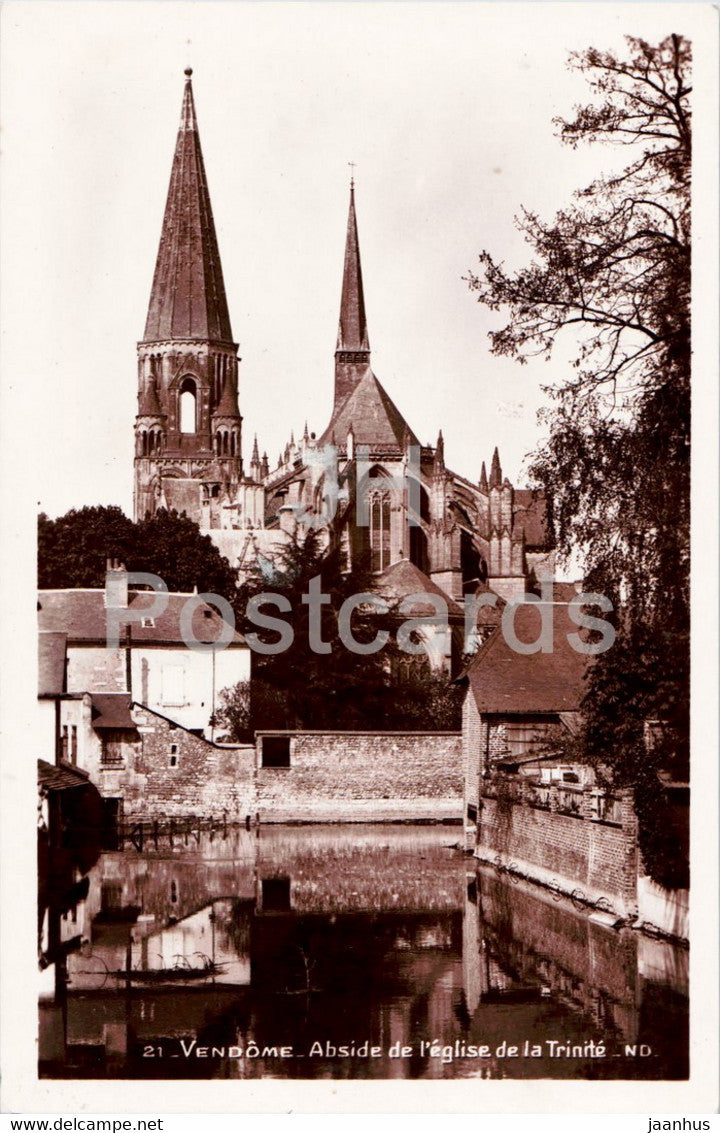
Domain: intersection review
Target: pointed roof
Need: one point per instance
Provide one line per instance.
(150, 402)
(495, 470)
(404, 580)
(188, 293)
(483, 478)
(352, 330)
(373, 417)
(227, 406)
(255, 452)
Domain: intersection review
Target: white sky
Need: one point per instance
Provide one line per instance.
(445, 108)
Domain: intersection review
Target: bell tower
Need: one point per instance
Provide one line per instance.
(188, 426)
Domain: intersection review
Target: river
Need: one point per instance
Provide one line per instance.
(349, 952)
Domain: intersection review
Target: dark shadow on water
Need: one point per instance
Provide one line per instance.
(352, 952)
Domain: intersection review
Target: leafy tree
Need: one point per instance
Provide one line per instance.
(173, 547)
(300, 687)
(612, 270)
(73, 551)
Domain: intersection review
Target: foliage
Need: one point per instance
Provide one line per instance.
(73, 551)
(301, 688)
(612, 272)
(232, 714)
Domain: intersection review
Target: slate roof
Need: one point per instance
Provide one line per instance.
(403, 578)
(112, 710)
(510, 683)
(62, 777)
(352, 330)
(375, 419)
(82, 616)
(52, 651)
(188, 292)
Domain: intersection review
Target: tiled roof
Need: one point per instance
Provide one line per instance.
(60, 778)
(403, 579)
(82, 616)
(51, 663)
(375, 419)
(352, 331)
(504, 681)
(112, 710)
(188, 293)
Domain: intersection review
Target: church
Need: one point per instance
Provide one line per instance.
(363, 480)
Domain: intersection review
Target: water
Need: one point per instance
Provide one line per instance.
(349, 952)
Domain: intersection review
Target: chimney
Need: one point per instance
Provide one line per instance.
(116, 584)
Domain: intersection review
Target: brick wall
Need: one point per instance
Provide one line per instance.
(364, 777)
(198, 778)
(572, 852)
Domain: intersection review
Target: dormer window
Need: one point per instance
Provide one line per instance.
(148, 623)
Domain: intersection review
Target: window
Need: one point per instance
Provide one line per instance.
(148, 623)
(188, 406)
(380, 530)
(73, 743)
(275, 751)
(276, 894)
(111, 753)
(64, 743)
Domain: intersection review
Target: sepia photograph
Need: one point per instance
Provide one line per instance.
(349, 374)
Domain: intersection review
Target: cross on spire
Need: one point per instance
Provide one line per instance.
(352, 174)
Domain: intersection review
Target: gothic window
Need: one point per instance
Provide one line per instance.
(380, 529)
(188, 406)
(143, 443)
(232, 444)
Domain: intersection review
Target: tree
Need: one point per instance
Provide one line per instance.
(73, 551)
(299, 687)
(612, 270)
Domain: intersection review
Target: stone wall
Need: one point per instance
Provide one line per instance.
(169, 771)
(571, 852)
(363, 777)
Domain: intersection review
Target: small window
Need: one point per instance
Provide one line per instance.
(275, 751)
(173, 749)
(276, 894)
(148, 623)
(173, 760)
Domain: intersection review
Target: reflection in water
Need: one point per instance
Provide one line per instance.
(351, 952)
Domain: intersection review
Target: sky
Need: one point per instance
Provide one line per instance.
(446, 110)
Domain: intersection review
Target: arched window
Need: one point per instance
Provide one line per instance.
(188, 406)
(232, 444)
(143, 443)
(380, 529)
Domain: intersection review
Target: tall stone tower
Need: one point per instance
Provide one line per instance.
(188, 427)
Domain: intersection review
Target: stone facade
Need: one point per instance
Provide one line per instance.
(160, 769)
(361, 777)
(560, 841)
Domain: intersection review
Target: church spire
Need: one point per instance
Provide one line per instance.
(495, 470)
(188, 293)
(352, 355)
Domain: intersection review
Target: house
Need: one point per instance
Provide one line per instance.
(153, 663)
